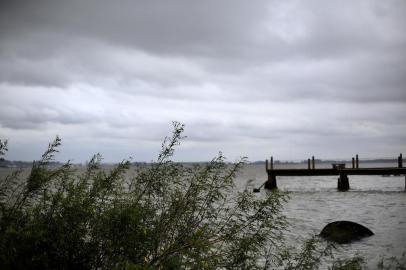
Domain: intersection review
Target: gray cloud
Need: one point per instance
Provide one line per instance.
(247, 78)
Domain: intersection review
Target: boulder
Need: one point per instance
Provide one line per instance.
(344, 231)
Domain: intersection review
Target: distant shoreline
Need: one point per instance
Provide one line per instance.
(4, 163)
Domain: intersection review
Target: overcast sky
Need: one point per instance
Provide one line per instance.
(250, 78)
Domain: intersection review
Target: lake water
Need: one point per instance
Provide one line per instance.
(376, 202)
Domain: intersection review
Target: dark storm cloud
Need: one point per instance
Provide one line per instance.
(158, 26)
(244, 76)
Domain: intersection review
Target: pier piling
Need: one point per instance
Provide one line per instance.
(271, 183)
(356, 161)
(343, 184)
(400, 161)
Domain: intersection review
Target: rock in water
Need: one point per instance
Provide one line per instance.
(344, 231)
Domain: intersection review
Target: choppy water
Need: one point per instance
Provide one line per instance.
(377, 202)
(374, 201)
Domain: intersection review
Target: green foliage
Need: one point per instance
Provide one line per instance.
(3, 147)
(168, 216)
(310, 255)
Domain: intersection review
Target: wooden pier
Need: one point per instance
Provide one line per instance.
(338, 169)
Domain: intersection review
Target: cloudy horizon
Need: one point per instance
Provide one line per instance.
(289, 79)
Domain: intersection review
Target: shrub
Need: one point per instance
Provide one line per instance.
(168, 216)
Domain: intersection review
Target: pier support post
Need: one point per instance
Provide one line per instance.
(353, 163)
(308, 163)
(271, 163)
(400, 161)
(271, 183)
(343, 183)
(356, 161)
(313, 165)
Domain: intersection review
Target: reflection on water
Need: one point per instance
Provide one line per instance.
(377, 202)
